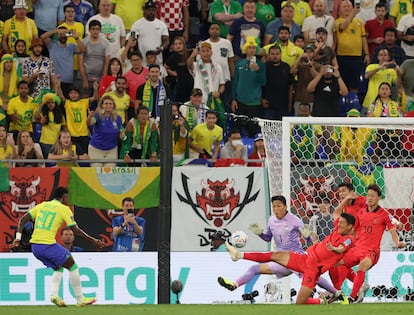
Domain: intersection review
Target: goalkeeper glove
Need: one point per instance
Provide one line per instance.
(256, 229)
(306, 231)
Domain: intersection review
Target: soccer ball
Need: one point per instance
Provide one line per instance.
(238, 239)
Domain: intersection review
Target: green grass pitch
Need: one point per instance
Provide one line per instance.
(218, 309)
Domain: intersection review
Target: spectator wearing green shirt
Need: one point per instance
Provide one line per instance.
(265, 12)
(223, 12)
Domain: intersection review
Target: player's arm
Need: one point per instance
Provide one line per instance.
(22, 222)
(341, 248)
(336, 249)
(340, 208)
(313, 229)
(396, 238)
(82, 234)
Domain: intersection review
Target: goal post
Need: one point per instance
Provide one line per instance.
(308, 157)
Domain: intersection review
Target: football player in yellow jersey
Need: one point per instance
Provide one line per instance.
(48, 217)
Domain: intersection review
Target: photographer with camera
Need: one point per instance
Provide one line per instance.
(128, 229)
(376, 73)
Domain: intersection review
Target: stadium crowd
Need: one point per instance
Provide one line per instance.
(84, 80)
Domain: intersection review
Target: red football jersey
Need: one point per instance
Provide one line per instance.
(326, 259)
(355, 207)
(371, 227)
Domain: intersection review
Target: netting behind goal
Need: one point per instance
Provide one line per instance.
(309, 157)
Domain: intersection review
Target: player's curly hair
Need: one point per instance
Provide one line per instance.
(59, 192)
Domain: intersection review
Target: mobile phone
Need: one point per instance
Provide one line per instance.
(357, 4)
(253, 59)
(69, 33)
(131, 212)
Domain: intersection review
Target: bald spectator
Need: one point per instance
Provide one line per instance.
(112, 27)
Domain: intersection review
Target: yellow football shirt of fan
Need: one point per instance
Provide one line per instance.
(49, 217)
(121, 103)
(14, 30)
(128, 12)
(25, 112)
(206, 138)
(384, 75)
(400, 8)
(76, 115)
(50, 132)
(301, 11)
(350, 39)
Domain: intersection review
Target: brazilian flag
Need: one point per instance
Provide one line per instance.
(105, 187)
(364, 175)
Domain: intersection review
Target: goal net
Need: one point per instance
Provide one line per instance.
(308, 157)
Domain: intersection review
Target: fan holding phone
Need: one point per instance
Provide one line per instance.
(128, 229)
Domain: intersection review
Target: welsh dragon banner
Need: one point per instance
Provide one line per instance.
(105, 187)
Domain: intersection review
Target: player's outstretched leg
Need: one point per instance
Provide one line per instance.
(227, 284)
(234, 253)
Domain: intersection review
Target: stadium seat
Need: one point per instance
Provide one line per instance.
(249, 143)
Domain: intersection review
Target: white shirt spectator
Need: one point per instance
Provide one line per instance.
(112, 30)
(311, 24)
(215, 78)
(149, 36)
(222, 51)
(406, 22)
(367, 11)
